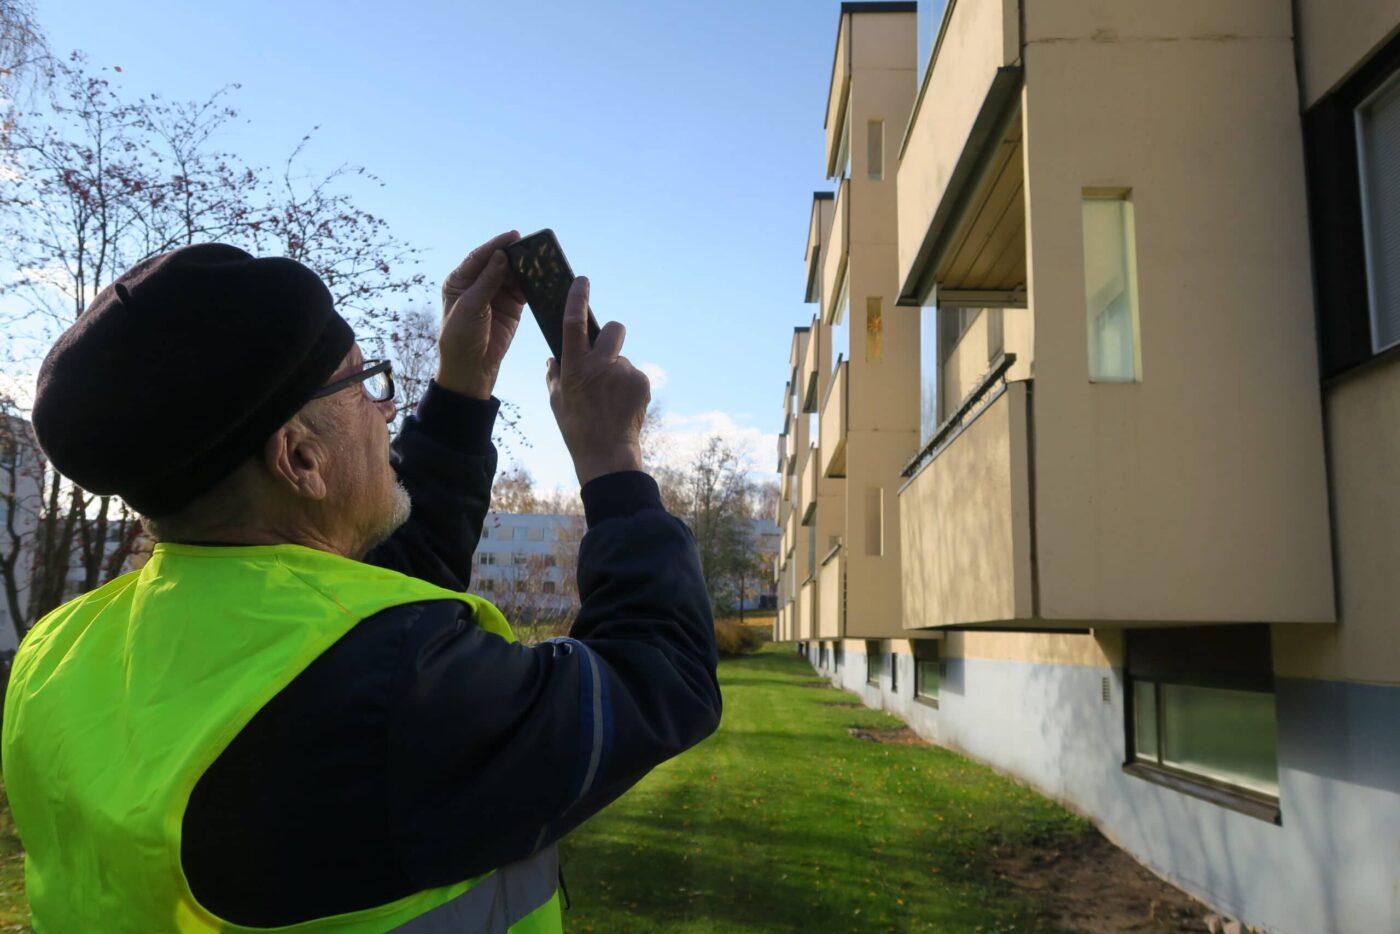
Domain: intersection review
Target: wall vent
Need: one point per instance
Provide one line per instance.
(1105, 690)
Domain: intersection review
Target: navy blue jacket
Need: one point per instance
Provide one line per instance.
(421, 750)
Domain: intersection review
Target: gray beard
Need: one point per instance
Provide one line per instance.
(403, 508)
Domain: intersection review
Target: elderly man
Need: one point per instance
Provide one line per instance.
(295, 714)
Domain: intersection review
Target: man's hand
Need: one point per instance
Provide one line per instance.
(481, 308)
(599, 399)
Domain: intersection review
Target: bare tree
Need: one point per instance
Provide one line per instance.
(98, 182)
(24, 51)
(514, 491)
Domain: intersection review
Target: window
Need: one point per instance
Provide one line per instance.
(486, 531)
(536, 533)
(928, 372)
(874, 329)
(1352, 210)
(550, 561)
(874, 659)
(488, 557)
(841, 325)
(1378, 153)
(875, 521)
(840, 653)
(519, 533)
(1202, 704)
(1110, 288)
(519, 557)
(926, 672)
(519, 586)
(875, 150)
(486, 585)
(549, 587)
(894, 672)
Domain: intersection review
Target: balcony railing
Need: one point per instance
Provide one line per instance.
(965, 520)
(832, 602)
(834, 425)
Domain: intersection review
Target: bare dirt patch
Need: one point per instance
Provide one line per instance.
(899, 736)
(1090, 886)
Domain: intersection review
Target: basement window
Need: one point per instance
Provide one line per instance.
(1201, 714)
(926, 672)
(873, 662)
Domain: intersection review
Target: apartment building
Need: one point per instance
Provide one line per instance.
(527, 563)
(1146, 264)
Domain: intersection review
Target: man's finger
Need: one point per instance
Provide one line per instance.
(576, 321)
(480, 293)
(468, 269)
(610, 340)
(551, 375)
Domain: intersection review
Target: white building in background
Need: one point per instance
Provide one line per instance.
(526, 563)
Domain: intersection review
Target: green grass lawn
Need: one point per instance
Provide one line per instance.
(783, 821)
(14, 909)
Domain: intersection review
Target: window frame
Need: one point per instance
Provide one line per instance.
(1337, 236)
(1128, 215)
(1199, 665)
(1388, 86)
(927, 650)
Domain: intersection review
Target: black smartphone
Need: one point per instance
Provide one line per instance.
(543, 274)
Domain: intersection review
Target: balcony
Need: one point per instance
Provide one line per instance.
(837, 243)
(831, 578)
(811, 369)
(961, 209)
(818, 233)
(806, 607)
(965, 520)
(807, 489)
(834, 424)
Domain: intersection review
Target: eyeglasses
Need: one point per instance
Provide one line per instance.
(377, 379)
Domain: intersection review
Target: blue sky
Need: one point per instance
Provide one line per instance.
(673, 147)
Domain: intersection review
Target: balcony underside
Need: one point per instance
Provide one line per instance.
(973, 249)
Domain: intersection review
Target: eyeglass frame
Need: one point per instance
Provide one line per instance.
(371, 369)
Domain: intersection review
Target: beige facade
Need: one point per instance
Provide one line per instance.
(1119, 394)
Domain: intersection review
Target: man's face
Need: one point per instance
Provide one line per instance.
(364, 497)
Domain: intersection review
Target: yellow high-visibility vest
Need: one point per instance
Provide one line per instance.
(121, 699)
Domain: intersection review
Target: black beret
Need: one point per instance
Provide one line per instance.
(181, 369)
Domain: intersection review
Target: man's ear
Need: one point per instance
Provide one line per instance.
(297, 460)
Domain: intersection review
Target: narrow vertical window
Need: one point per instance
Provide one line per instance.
(875, 150)
(928, 372)
(1110, 289)
(1377, 142)
(875, 521)
(874, 330)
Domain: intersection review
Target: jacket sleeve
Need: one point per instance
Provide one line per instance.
(445, 459)
(497, 749)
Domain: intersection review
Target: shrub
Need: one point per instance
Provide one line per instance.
(732, 639)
